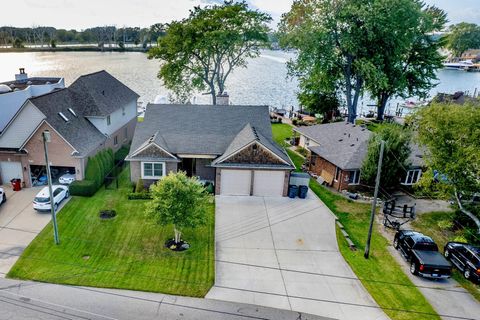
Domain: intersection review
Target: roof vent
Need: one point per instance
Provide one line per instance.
(340, 140)
(63, 116)
(352, 145)
(103, 92)
(72, 112)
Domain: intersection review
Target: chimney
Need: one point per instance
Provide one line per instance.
(22, 76)
(223, 99)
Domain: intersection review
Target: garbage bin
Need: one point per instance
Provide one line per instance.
(16, 184)
(292, 191)
(303, 192)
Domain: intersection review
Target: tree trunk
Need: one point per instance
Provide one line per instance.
(467, 213)
(178, 235)
(382, 103)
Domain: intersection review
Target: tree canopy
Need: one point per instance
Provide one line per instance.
(451, 133)
(179, 201)
(395, 157)
(201, 51)
(463, 36)
(346, 47)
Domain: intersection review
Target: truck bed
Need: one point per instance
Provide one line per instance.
(432, 258)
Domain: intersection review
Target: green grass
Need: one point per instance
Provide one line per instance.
(281, 131)
(297, 160)
(381, 275)
(126, 252)
(428, 223)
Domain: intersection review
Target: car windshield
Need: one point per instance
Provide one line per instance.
(426, 246)
(41, 199)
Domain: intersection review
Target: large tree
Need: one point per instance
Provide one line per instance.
(463, 36)
(451, 133)
(179, 201)
(395, 157)
(409, 56)
(201, 51)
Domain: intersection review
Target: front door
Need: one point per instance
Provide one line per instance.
(188, 166)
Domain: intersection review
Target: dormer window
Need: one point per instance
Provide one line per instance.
(108, 121)
(72, 112)
(63, 116)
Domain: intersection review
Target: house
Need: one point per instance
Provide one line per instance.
(337, 151)
(230, 146)
(96, 112)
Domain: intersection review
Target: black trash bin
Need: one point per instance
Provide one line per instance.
(303, 192)
(292, 191)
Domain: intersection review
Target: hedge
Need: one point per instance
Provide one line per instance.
(139, 196)
(84, 188)
(121, 154)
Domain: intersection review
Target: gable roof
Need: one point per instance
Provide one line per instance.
(205, 129)
(341, 143)
(99, 94)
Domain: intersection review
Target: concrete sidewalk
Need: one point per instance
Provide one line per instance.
(283, 253)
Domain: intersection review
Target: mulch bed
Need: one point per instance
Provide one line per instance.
(107, 214)
(177, 246)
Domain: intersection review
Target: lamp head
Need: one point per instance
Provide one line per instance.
(46, 136)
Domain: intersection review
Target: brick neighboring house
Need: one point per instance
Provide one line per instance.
(337, 150)
(231, 146)
(96, 112)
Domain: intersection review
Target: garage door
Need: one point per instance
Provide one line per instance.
(268, 183)
(235, 182)
(10, 170)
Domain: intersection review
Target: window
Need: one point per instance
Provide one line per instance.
(125, 132)
(354, 177)
(57, 192)
(63, 116)
(337, 173)
(307, 142)
(115, 140)
(108, 121)
(72, 112)
(153, 170)
(412, 177)
(123, 111)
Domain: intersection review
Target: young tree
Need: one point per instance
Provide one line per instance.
(463, 36)
(201, 51)
(179, 201)
(451, 134)
(395, 157)
(409, 56)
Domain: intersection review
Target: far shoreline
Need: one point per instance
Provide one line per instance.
(71, 49)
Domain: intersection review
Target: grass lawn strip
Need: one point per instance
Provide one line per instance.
(381, 275)
(126, 252)
(282, 131)
(428, 223)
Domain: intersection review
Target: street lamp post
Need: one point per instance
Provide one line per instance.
(46, 140)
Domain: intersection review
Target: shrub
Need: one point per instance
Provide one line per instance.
(111, 158)
(121, 154)
(294, 122)
(302, 151)
(93, 171)
(140, 187)
(83, 188)
(445, 224)
(460, 239)
(139, 196)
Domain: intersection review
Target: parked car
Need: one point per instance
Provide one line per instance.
(66, 178)
(3, 196)
(42, 200)
(466, 258)
(422, 252)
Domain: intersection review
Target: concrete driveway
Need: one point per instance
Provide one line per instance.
(19, 225)
(283, 253)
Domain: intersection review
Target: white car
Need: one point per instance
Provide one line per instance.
(3, 196)
(67, 178)
(42, 200)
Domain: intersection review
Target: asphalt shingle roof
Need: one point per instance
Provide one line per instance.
(205, 129)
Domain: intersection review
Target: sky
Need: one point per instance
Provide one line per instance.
(81, 14)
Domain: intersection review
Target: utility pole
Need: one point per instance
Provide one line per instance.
(47, 139)
(374, 204)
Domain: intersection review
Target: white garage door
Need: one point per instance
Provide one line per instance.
(268, 183)
(10, 170)
(235, 182)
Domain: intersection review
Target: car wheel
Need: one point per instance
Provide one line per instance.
(55, 207)
(467, 273)
(447, 254)
(4, 199)
(395, 243)
(67, 194)
(413, 268)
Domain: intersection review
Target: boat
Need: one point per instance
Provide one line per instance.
(460, 65)
(473, 68)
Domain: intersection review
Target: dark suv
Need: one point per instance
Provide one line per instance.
(422, 252)
(466, 258)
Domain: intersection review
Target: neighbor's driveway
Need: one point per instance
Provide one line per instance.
(19, 225)
(283, 253)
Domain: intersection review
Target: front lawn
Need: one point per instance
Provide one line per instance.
(126, 252)
(430, 224)
(381, 275)
(280, 132)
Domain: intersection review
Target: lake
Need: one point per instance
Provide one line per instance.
(263, 82)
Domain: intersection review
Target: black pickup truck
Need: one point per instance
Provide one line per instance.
(466, 258)
(422, 252)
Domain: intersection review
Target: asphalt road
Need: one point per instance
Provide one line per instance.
(34, 300)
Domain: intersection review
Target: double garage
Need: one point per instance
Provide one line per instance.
(10, 170)
(262, 183)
